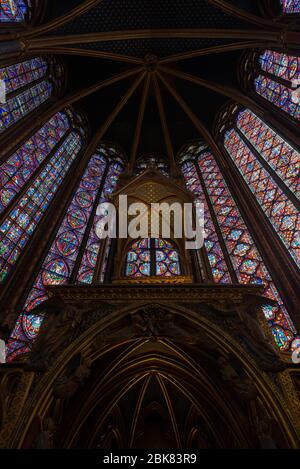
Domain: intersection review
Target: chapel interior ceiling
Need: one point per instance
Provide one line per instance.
(151, 18)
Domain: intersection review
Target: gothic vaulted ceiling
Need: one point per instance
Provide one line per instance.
(108, 27)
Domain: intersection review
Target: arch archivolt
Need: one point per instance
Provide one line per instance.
(180, 361)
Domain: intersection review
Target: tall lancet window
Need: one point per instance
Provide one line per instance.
(27, 85)
(277, 80)
(73, 255)
(213, 240)
(270, 167)
(290, 6)
(231, 250)
(19, 167)
(30, 179)
(14, 11)
(277, 154)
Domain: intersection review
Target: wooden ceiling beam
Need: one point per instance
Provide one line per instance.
(227, 91)
(164, 124)
(170, 408)
(138, 409)
(8, 146)
(236, 96)
(213, 50)
(203, 131)
(138, 130)
(118, 108)
(90, 53)
(244, 15)
(61, 20)
(201, 33)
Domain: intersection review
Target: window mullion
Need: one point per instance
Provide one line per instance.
(217, 227)
(270, 170)
(39, 170)
(152, 257)
(89, 227)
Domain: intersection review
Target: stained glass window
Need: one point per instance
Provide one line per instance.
(23, 219)
(166, 258)
(290, 6)
(278, 89)
(280, 65)
(282, 157)
(20, 167)
(13, 11)
(18, 75)
(212, 244)
(27, 87)
(90, 256)
(280, 211)
(139, 259)
(205, 180)
(75, 247)
(152, 257)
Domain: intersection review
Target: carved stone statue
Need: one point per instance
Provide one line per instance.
(65, 387)
(152, 321)
(264, 433)
(241, 384)
(60, 321)
(7, 323)
(3, 397)
(105, 436)
(249, 329)
(45, 438)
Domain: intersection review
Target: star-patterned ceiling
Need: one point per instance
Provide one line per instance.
(86, 65)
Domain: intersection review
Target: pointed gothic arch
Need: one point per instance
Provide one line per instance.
(73, 253)
(68, 312)
(135, 360)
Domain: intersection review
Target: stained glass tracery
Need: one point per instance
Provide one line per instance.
(139, 259)
(27, 86)
(280, 155)
(280, 93)
(24, 217)
(152, 257)
(166, 258)
(280, 211)
(20, 167)
(280, 65)
(91, 252)
(18, 75)
(98, 181)
(240, 247)
(13, 11)
(290, 6)
(215, 254)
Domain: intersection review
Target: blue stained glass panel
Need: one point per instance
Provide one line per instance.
(13, 11)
